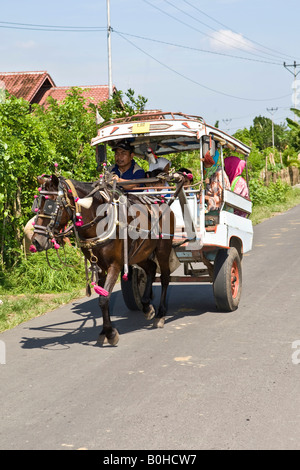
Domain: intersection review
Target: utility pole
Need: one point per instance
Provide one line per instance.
(110, 86)
(272, 111)
(227, 122)
(294, 65)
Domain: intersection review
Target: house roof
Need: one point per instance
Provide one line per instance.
(94, 94)
(26, 84)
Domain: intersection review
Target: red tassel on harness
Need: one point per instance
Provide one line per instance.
(99, 290)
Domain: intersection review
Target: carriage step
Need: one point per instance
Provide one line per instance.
(188, 255)
(205, 278)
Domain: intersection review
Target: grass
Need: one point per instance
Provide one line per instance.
(263, 212)
(34, 290)
(19, 308)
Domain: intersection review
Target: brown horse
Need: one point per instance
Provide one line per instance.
(114, 230)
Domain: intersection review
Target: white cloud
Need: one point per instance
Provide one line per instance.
(26, 44)
(225, 40)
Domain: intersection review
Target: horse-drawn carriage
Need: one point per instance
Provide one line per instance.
(216, 240)
(174, 232)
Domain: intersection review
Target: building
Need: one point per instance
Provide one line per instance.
(93, 94)
(28, 85)
(36, 87)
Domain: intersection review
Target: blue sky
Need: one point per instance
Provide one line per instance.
(220, 59)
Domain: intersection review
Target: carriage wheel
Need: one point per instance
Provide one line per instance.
(134, 288)
(227, 283)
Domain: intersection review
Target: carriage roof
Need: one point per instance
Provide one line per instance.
(165, 133)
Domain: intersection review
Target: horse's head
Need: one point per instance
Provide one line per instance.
(52, 213)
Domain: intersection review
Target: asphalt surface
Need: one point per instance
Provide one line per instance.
(207, 380)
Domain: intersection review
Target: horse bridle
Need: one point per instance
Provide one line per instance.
(53, 209)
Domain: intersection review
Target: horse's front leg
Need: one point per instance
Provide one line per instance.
(108, 334)
(159, 320)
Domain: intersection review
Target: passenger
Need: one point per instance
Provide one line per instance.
(154, 174)
(158, 184)
(188, 176)
(214, 176)
(125, 167)
(234, 168)
(161, 164)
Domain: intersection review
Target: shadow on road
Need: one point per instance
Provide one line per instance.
(83, 320)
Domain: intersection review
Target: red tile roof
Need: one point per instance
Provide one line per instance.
(28, 85)
(36, 87)
(94, 94)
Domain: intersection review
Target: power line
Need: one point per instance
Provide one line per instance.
(198, 30)
(198, 49)
(225, 26)
(222, 33)
(54, 28)
(195, 81)
(40, 27)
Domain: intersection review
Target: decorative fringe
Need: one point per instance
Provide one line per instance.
(78, 222)
(85, 202)
(56, 246)
(32, 249)
(99, 290)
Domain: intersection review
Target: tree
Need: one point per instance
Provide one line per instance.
(116, 108)
(261, 133)
(25, 148)
(71, 126)
(295, 131)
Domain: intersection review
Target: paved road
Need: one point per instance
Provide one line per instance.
(208, 380)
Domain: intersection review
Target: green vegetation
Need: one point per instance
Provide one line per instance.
(261, 212)
(32, 139)
(32, 288)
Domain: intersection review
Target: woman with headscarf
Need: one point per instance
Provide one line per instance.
(214, 178)
(234, 168)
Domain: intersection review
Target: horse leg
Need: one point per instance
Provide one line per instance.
(108, 334)
(149, 267)
(165, 280)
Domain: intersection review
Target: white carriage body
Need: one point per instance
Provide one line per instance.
(169, 133)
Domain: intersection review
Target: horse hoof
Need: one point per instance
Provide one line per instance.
(159, 322)
(115, 339)
(101, 340)
(151, 313)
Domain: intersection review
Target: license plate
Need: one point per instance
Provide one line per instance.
(141, 127)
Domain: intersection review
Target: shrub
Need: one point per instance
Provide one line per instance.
(268, 195)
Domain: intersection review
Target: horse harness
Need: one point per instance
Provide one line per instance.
(53, 210)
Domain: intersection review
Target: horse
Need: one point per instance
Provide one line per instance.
(110, 236)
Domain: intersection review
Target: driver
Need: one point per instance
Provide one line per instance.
(125, 167)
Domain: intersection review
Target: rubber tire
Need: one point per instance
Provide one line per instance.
(227, 267)
(133, 289)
